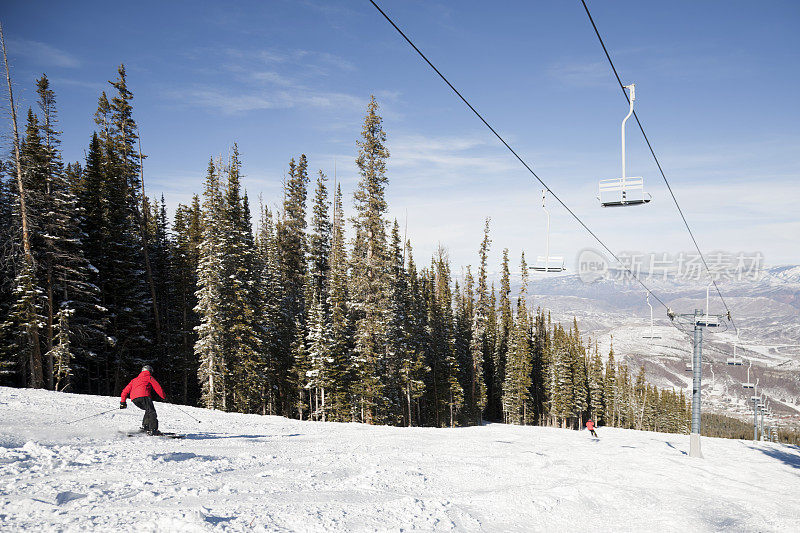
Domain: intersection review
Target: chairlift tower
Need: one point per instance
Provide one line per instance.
(697, 321)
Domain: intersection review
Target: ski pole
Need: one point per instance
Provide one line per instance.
(187, 414)
(92, 416)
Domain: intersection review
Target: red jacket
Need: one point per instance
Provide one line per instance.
(589, 425)
(142, 385)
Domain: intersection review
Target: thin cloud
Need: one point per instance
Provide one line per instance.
(42, 53)
(91, 85)
(227, 102)
(580, 74)
(321, 62)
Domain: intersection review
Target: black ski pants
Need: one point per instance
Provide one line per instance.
(150, 420)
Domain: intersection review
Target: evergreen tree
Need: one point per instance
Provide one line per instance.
(596, 411)
(292, 250)
(413, 369)
(448, 393)
(8, 354)
(271, 317)
(505, 329)
(317, 377)
(320, 240)
(340, 325)
(241, 342)
(398, 370)
(479, 346)
(209, 347)
(123, 283)
(517, 383)
(188, 231)
(370, 274)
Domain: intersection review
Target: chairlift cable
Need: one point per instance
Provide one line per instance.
(500, 138)
(658, 164)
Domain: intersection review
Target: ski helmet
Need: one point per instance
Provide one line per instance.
(147, 368)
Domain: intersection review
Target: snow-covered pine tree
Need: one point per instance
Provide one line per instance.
(397, 372)
(369, 271)
(413, 368)
(464, 317)
(539, 368)
(340, 323)
(495, 368)
(64, 273)
(596, 410)
(26, 319)
(22, 322)
(479, 348)
(188, 232)
(563, 402)
(209, 348)
(8, 355)
(505, 328)
(162, 257)
(23, 292)
(301, 366)
(443, 334)
(61, 353)
(241, 340)
(272, 317)
(610, 394)
(292, 250)
(123, 284)
(89, 189)
(624, 399)
(580, 389)
(317, 377)
(320, 240)
(517, 383)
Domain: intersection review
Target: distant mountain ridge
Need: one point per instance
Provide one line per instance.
(766, 311)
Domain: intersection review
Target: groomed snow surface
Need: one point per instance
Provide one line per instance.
(237, 472)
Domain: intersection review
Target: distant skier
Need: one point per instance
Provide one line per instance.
(590, 427)
(139, 390)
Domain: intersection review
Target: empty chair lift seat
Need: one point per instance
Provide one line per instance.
(622, 192)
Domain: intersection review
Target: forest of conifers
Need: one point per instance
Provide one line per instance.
(305, 313)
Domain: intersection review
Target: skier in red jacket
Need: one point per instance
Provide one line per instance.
(139, 389)
(590, 427)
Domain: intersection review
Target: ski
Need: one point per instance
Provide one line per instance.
(165, 434)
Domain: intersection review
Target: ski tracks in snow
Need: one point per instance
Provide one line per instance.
(253, 473)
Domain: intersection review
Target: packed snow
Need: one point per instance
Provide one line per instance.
(237, 472)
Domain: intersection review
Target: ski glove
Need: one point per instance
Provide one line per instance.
(123, 405)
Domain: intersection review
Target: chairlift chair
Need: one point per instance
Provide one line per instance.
(748, 384)
(548, 263)
(651, 335)
(624, 191)
(707, 320)
(735, 361)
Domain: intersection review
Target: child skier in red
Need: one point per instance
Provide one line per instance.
(139, 390)
(590, 427)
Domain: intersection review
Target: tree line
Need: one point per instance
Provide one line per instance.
(305, 313)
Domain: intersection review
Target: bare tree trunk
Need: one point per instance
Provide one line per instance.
(37, 380)
(48, 371)
(148, 268)
(408, 400)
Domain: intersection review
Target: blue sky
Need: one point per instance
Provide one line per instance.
(716, 90)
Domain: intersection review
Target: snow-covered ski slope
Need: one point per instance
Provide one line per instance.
(238, 472)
